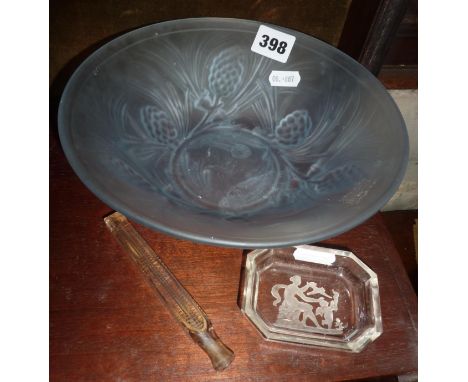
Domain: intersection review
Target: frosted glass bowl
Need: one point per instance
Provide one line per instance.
(177, 126)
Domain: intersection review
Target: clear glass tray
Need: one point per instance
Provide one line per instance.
(312, 296)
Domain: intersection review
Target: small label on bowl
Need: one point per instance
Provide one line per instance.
(284, 78)
(273, 44)
(314, 254)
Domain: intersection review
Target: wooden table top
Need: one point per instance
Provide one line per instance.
(106, 323)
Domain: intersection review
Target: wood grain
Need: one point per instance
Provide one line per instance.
(371, 35)
(77, 25)
(399, 77)
(380, 36)
(361, 14)
(400, 225)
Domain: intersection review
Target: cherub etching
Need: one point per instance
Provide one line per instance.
(327, 308)
(298, 310)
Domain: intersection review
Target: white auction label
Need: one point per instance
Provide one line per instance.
(273, 44)
(314, 254)
(284, 78)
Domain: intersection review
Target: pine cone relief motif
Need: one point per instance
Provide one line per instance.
(293, 128)
(339, 180)
(158, 125)
(225, 73)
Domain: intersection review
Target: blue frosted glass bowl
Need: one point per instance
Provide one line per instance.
(176, 126)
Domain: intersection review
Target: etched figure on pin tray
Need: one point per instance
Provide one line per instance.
(298, 311)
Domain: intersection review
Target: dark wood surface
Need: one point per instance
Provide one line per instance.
(361, 14)
(368, 32)
(365, 15)
(382, 31)
(404, 47)
(399, 77)
(107, 325)
(77, 27)
(400, 225)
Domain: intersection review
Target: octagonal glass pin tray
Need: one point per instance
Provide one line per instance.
(312, 296)
(179, 126)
